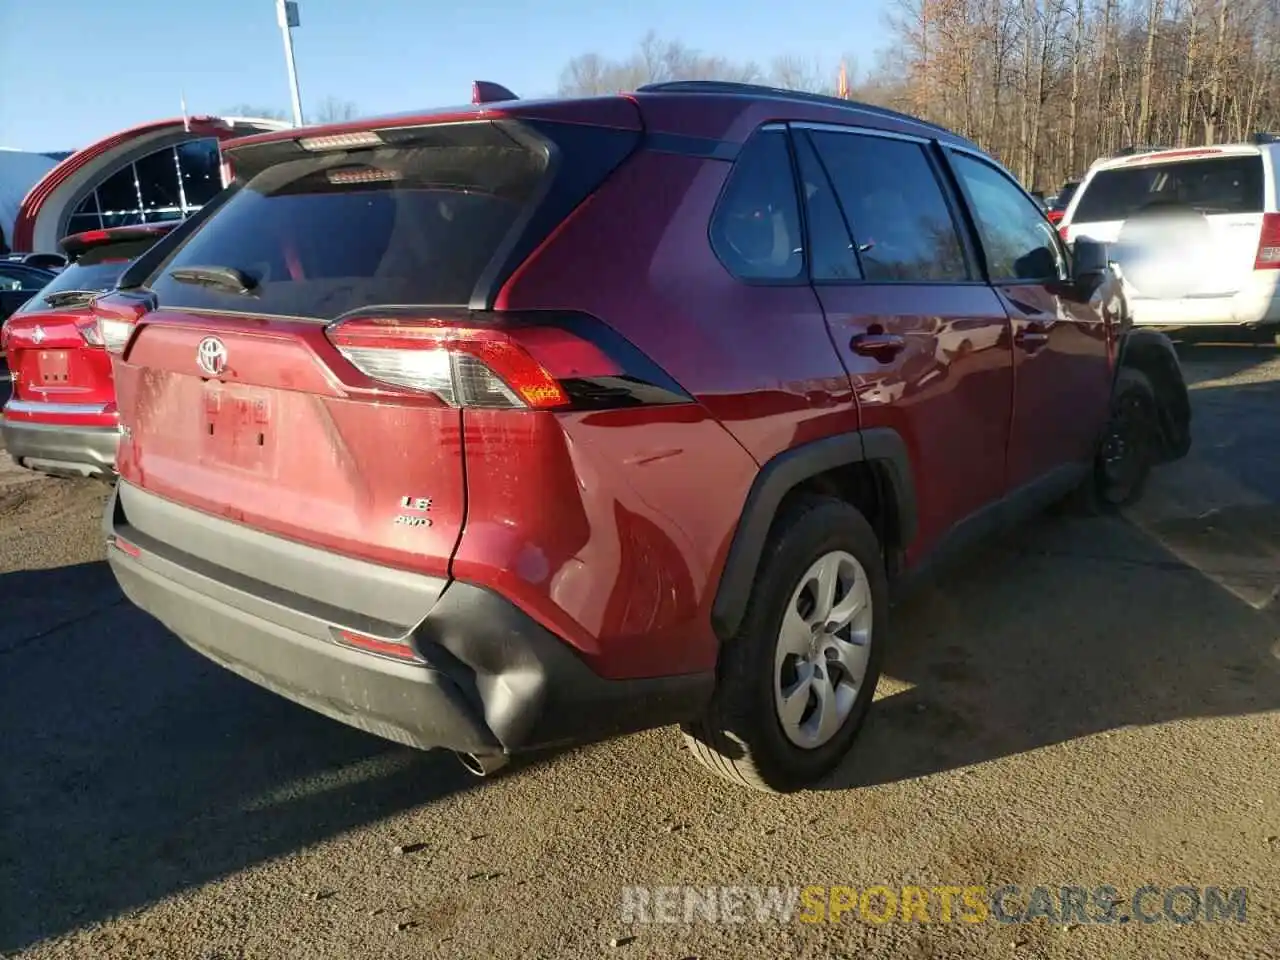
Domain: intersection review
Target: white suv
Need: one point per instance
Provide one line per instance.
(1196, 231)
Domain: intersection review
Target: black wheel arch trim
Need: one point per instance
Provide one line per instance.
(883, 446)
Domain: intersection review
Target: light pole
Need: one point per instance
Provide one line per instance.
(287, 15)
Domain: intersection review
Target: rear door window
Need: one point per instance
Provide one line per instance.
(895, 207)
(1218, 185)
(323, 234)
(831, 250)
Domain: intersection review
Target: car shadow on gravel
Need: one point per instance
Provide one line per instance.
(1072, 627)
(132, 769)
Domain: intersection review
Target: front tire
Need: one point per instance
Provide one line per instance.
(796, 682)
(1131, 444)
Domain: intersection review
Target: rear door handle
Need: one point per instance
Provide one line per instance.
(1031, 337)
(879, 346)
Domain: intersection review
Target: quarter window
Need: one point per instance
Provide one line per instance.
(901, 224)
(755, 230)
(1019, 242)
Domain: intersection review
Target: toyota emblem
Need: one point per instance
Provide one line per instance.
(211, 355)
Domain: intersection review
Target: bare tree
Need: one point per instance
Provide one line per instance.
(334, 110)
(249, 110)
(1154, 14)
(1047, 86)
(655, 60)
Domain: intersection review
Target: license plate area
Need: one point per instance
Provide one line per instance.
(53, 367)
(237, 428)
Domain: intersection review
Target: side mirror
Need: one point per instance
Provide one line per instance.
(1089, 260)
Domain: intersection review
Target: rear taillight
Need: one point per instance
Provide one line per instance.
(503, 361)
(88, 328)
(1063, 231)
(114, 333)
(4, 335)
(116, 316)
(1269, 244)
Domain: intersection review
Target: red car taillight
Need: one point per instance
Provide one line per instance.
(88, 327)
(116, 317)
(467, 364)
(1269, 244)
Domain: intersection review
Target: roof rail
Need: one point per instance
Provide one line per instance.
(760, 90)
(1260, 138)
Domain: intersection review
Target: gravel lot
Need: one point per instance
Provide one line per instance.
(1087, 702)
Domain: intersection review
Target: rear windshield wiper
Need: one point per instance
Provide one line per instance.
(230, 279)
(66, 298)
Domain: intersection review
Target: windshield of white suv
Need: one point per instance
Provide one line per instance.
(1229, 184)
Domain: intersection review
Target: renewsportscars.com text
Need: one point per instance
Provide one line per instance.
(879, 904)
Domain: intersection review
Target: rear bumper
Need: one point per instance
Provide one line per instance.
(1257, 304)
(53, 448)
(492, 680)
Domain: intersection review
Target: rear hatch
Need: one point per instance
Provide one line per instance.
(55, 352)
(1182, 225)
(258, 382)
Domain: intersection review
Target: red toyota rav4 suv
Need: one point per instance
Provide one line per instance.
(61, 417)
(527, 423)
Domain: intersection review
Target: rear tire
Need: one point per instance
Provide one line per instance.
(789, 703)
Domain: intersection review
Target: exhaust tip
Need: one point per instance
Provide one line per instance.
(482, 766)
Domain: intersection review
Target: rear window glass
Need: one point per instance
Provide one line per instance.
(327, 233)
(1219, 185)
(97, 271)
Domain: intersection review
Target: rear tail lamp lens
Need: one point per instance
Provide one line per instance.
(90, 332)
(469, 364)
(114, 334)
(116, 316)
(1269, 244)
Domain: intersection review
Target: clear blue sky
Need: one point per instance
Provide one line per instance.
(73, 71)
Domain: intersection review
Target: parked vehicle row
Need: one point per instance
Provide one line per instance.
(501, 428)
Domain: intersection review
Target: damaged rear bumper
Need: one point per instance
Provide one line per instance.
(488, 680)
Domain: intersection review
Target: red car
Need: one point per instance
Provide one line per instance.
(529, 423)
(61, 418)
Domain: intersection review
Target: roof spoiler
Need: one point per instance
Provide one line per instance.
(486, 91)
(1135, 150)
(76, 244)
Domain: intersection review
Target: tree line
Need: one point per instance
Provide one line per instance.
(1048, 86)
(329, 110)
